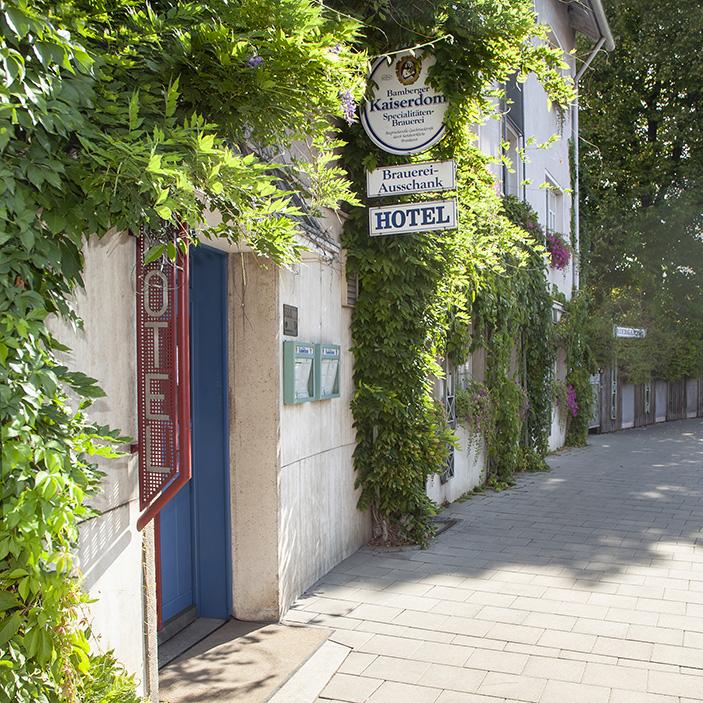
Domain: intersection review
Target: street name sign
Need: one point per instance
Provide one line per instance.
(405, 115)
(407, 218)
(405, 179)
(629, 332)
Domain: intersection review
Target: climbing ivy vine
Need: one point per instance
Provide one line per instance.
(113, 116)
(514, 318)
(432, 296)
(574, 336)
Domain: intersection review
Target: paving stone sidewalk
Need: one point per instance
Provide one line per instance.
(584, 584)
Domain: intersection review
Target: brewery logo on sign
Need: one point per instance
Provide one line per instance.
(405, 115)
(408, 69)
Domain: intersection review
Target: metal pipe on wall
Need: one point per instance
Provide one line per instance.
(577, 186)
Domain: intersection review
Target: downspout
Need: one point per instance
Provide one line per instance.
(577, 187)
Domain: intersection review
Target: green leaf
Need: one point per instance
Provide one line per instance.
(154, 253)
(17, 21)
(23, 588)
(172, 98)
(83, 660)
(134, 120)
(163, 211)
(154, 165)
(9, 627)
(15, 574)
(8, 600)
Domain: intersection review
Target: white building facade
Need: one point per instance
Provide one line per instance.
(271, 506)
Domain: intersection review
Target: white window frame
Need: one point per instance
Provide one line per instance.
(554, 206)
(514, 174)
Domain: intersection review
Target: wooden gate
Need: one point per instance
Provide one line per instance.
(691, 397)
(677, 400)
(644, 404)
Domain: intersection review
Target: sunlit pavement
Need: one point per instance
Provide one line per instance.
(583, 584)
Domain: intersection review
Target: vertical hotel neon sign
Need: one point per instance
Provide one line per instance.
(163, 381)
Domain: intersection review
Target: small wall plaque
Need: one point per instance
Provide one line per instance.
(290, 320)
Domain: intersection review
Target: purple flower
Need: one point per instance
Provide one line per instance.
(571, 402)
(255, 61)
(559, 251)
(348, 106)
(336, 49)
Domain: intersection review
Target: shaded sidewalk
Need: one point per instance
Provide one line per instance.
(583, 584)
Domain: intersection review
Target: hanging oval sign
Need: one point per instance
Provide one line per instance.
(405, 114)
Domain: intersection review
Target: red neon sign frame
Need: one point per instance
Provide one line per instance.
(163, 380)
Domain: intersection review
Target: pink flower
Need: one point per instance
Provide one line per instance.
(559, 251)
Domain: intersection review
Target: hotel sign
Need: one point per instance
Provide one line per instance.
(162, 372)
(411, 178)
(629, 332)
(405, 114)
(412, 217)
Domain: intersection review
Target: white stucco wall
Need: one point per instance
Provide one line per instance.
(541, 124)
(110, 550)
(469, 469)
(320, 523)
(557, 433)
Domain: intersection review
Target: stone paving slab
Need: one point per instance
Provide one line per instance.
(582, 584)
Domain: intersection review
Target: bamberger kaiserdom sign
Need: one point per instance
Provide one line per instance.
(405, 114)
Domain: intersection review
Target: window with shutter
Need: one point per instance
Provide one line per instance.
(352, 289)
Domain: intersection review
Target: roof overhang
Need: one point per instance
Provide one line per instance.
(588, 17)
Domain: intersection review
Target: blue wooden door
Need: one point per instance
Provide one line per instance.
(211, 524)
(195, 525)
(176, 536)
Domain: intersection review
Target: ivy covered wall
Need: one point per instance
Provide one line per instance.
(422, 295)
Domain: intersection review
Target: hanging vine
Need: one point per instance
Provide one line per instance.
(573, 334)
(115, 116)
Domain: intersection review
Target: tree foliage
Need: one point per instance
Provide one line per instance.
(642, 171)
(118, 115)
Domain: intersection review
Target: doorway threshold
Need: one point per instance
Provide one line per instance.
(243, 662)
(175, 640)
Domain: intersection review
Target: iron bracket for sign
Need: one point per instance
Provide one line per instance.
(183, 404)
